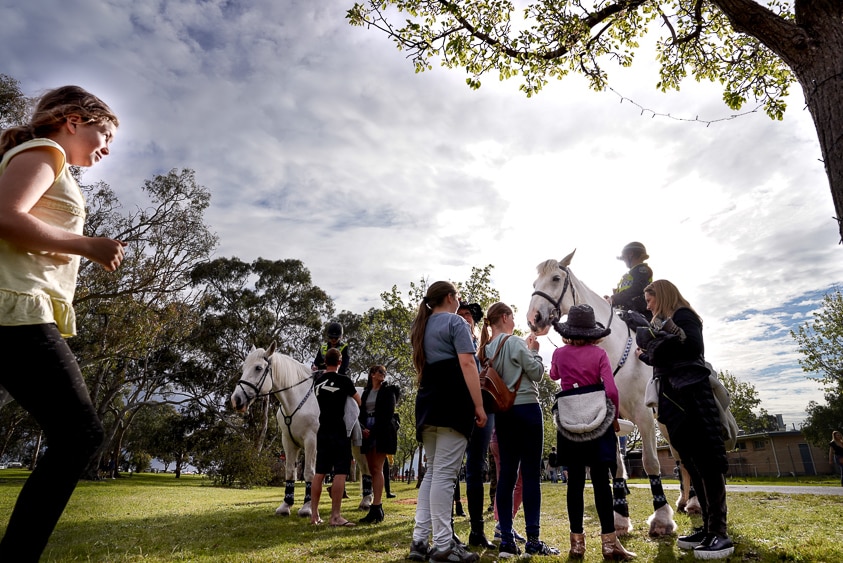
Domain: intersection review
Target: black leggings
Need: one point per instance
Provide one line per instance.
(602, 483)
(42, 375)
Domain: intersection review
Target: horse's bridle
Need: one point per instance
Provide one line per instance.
(557, 312)
(242, 383)
(267, 372)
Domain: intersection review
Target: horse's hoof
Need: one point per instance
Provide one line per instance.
(623, 525)
(305, 511)
(693, 506)
(366, 502)
(681, 507)
(661, 522)
(283, 510)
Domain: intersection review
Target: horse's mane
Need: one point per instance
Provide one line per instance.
(288, 371)
(548, 267)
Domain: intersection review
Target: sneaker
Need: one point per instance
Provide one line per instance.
(454, 553)
(714, 547)
(538, 547)
(518, 537)
(508, 550)
(418, 551)
(692, 540)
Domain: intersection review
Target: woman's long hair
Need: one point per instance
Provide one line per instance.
(668, 299)
(493, 316)
(434, 297)
(837, 437)
(372, 370)
(52, 111)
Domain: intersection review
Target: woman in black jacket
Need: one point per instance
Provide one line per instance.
(673, 345)
(380, 432)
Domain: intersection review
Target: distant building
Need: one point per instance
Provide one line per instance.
(765, 454)
(777, 453)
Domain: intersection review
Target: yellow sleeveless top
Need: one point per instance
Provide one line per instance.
(38, 287)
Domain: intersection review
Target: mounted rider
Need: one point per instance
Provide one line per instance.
(629, 294)
(334, 334)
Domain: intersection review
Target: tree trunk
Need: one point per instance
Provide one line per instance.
(37, 451)
(812, 46)
(821, 77)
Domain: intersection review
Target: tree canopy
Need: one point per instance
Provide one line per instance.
(820, 342)
(744, 401)
(755, 50)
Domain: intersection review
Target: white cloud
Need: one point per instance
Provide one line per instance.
(319, 142)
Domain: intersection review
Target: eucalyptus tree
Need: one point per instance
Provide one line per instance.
(13, 104)
(755, 49)
(820, 343)
(743, 403)
(134, 323)
(254, 304)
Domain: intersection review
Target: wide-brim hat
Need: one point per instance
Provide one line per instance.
(581, 324)
(474, 308)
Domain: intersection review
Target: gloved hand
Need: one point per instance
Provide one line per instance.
(643, 336)
(636, 319)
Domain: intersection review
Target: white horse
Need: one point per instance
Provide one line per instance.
(266, 372)
(556, 290)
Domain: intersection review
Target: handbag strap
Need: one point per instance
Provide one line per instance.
(498, 351)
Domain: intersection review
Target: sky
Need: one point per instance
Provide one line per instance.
(319, 142)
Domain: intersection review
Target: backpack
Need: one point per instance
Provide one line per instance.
(496, 395)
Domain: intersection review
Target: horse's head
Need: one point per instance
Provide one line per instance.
(553, 294)
(256, 378)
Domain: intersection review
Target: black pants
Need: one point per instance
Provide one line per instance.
(710, 486)
(603, 502)
(42, 375)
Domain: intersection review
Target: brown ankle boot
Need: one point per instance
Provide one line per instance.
(577, 546)
(613, 550)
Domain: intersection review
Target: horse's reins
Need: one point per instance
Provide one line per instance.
(557, 310)
(288, 419)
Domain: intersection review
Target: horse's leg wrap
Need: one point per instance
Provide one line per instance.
(289, 493)
(659, 500)
(306, 492)
(367, 485)
(619, 493)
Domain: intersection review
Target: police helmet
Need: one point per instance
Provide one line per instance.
(335, 330)
(634, 249)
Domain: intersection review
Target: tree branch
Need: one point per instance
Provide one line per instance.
(783, 37)
(590, 21)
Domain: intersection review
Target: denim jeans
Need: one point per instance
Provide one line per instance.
(520, 433)
(444, 448)
(42, 375)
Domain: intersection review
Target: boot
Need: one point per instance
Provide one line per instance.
(613, 550)
(577, 546)
(477, 537)
(374, 516)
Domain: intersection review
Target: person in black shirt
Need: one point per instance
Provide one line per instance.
(835, 452)
(333, 442)
(629, 294)
(334, 334)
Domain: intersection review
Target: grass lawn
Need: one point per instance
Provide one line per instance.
(155, 518)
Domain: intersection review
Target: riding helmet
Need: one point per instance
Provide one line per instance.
(335, 330)
(635, 248)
